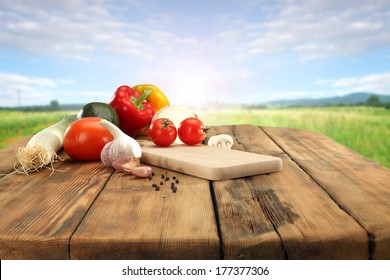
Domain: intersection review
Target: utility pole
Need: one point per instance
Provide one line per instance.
(19, 102)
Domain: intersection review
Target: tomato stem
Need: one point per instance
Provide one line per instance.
(206, 129)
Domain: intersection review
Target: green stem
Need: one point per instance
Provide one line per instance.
(138, 101)
(69, 119)
(65, 122)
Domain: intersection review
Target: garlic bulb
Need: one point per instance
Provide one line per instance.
(221, 140)
(123, 146)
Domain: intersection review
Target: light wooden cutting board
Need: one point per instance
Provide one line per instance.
(212, 163)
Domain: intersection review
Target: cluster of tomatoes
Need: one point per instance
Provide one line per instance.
(191, 131)
(85, 138)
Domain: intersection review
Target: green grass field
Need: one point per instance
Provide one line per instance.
(15, 125)
(365, 130)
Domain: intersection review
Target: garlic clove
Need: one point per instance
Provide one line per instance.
(222, 140)
(105, 154)
(132, 166)
(141, 171)
(133, 163)
(121, 164)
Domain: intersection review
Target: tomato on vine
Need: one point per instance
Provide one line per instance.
(163, 132)
(192, 131)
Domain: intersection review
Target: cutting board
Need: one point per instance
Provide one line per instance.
(212, 163)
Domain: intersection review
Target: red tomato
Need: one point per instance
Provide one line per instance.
(163, 132)
(85, 138)
(192, 131)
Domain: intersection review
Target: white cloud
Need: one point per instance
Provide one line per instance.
(32, 90)
(214, 61)
(81, 30)
(377, 83)
(73, 31)
(313, 29)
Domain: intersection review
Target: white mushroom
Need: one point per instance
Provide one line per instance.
(221, 140)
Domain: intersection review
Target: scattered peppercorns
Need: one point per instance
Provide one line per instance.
(164, 178)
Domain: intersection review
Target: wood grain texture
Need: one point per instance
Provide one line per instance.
(8, 155)
(328, 202)
(39, 212)
(209, 162)
(284, 214)
(131, 220)
(359, 186)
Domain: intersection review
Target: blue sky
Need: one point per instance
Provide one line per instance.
(251, 51)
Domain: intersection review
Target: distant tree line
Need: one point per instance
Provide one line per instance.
(372, 101)
(53, 106)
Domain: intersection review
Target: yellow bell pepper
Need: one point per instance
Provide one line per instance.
(157, 98)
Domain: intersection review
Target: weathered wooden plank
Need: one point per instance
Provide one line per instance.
(39, 212)
(8, 155)
(283, 214)
(320, 206)
(246, 231)
(359, 186)
(131, 220)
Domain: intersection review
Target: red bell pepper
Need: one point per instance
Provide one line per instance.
(133, 110)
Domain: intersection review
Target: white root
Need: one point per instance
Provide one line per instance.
(41, 151)
(32, 158)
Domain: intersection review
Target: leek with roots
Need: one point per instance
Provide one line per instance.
(41, 151)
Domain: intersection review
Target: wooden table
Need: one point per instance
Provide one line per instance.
(328, 202)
